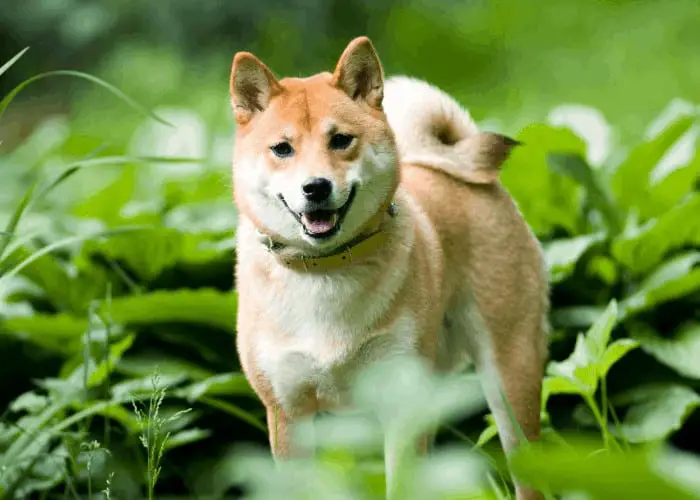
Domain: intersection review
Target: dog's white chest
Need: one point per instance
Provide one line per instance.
(323, 338)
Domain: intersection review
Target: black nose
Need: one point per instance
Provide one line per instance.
(317, 189)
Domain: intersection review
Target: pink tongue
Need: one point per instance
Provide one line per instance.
(319, 222)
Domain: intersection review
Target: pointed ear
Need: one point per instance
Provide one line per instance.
(359, 73)
(252, 86)
(486, 153)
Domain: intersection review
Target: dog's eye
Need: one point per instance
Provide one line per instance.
(282, 150)
(340, 142)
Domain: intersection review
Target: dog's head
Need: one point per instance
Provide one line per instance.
(314, 158)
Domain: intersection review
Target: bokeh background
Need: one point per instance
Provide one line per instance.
(612, 81)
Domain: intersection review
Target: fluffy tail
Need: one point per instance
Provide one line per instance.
(434, 131)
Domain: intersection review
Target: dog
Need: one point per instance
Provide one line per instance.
(372, 223)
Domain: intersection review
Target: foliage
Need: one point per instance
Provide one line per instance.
(119, 264)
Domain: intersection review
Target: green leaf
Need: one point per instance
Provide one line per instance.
(546, 198)
(188, 436)
(202, 306)
(669, 191)
(657, 411)
(58, 332)
(99, 373)
(119, 193)
(640, 249)
(630, 180)
(675, 279)
(30, 402)
(579, 368)
(614, 353)
(66, 242)
(598, 335)
(575, 167)
(562, 255)
(12, 61)
(490, 432)
(586, 468)
(223, 384)
(576, 316)
(681, 351)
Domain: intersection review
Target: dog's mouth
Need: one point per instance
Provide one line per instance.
(320, 224)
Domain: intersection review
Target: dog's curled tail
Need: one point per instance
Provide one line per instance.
(434, 131)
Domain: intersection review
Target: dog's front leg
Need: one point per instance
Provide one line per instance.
(394, 452)
(281, 426)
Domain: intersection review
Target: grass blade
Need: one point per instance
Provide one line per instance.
(16, 216)
(69, 241)
(12, 61)
(77, 74)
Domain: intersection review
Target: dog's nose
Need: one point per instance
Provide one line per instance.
(317, 189)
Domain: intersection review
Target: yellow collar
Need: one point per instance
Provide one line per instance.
(344, 256)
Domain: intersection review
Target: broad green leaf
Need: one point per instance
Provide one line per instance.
(30, 402)
(143, 364)
(630, 180)
(119, 192)
(559, 385)
(547, 199)
(12, 61)
(586, 468)
(656, 411)
(57, 332)
(62, 332)
(203, 306)
(188, 436)
(562, 255)
(575, 167)
(223, 384)
(670, 190)
(576, 316)
(640, 249)
(673, 280)
(682, 467)
(681, 351)
(614, 353)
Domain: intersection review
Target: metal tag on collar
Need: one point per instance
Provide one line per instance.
(348, 253)
(393, 209)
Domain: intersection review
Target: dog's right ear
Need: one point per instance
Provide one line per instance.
(252, 86)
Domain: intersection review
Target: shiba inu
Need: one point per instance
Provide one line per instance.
(372, 223)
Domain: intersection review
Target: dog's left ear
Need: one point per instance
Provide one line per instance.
(359, 73)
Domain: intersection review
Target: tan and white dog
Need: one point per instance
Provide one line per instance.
(372, 223)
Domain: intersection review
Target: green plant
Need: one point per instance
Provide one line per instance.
(104, 284)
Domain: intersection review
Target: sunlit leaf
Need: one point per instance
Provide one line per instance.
(546, 198)
(614, 353)
(586, 468)
(681, 351)
(630, 181)
(656, 411)
(675, 279)
(562, 255)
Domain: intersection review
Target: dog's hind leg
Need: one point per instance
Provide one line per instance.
(509, 358)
